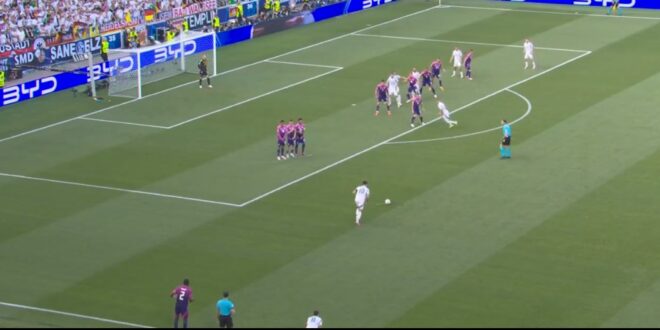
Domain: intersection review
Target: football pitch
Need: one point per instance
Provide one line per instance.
(105, 207)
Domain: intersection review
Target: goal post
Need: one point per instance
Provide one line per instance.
(136, 68)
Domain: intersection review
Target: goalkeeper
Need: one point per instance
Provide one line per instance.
(203, 72)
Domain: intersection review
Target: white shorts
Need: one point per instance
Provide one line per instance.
(457, 64)
(529, 56)
(393, 91)
(359, 204)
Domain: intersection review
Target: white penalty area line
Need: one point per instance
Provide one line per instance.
(465, 42)
(254, 98)
(123, 122)
(343, 160)
(305, 64)
(554, 12)
(453, 137)
(132, 191)
(334, 69)
(219, 74)
(80, 316)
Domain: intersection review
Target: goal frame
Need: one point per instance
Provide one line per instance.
(179, 55)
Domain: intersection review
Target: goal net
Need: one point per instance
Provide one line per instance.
(136, 68)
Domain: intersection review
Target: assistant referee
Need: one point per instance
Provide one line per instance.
(225, 309)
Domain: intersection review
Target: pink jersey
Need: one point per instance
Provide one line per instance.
(412, 80)
(281, 132)
(291, 130)
(183, 295)
(300, 130)
(381, 88)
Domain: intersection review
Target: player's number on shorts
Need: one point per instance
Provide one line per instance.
(182, 295)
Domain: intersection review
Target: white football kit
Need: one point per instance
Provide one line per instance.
(393, 89)
(361, 195)
(529, 50)
(457, 58)
(446, 115)
(314, 322)
(393, 84)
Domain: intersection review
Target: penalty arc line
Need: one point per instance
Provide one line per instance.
(529, 111)
(80, 316)
(219, 74)
(343, 160)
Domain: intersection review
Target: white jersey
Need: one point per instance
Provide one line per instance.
(361, 194)
(393, 83)
(529, 49)
(443, 109)
(314, 322)
(457, 57)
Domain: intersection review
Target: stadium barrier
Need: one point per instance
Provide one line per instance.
(66, 80)
(639, 4)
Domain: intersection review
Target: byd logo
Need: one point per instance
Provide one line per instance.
(120, 65)
(170, 52)
(372, 3)
(42, 86)
(605, 3)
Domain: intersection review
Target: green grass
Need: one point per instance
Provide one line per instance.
(564, 234)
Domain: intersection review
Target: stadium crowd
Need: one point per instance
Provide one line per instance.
(29, 19)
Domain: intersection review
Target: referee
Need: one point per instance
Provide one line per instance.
(225, 310)
(505, 145)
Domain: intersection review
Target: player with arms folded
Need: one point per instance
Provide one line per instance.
(280, 133)
(436, 68)
(361, 193)
(427, 81)
(393, 88)
(456, 60)
(300, 137)
(528, 46)
(381, 97)
(183, 296)
(203, 72)
(416, 110)
(290, 138)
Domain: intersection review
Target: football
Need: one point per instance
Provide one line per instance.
(388, 201)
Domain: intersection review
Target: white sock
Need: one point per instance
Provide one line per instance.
(526, 64)
(398, 100)
(461, 74)
(358, 215)
(533, 65)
